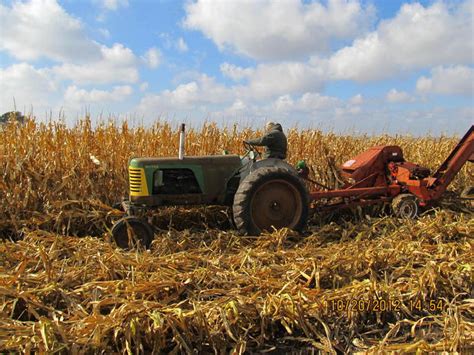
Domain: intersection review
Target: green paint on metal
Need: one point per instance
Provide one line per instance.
(149, 178)
(135, 163)
(196, 169)
(151, 169)
(301, 164)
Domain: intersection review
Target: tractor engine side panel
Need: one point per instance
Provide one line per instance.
(192, 180)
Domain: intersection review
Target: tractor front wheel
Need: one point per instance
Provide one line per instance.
(132, 232)
(405, 206)
(270, 197)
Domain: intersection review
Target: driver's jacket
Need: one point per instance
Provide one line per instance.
(274, 141)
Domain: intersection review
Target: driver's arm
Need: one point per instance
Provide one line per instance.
(262, 141)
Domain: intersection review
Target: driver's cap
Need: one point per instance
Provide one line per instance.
(269, 125)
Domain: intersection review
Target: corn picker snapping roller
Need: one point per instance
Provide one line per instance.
(270, 193)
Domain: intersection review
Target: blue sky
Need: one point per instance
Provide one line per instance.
(368, 66)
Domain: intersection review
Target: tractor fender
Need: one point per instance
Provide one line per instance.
(269, 163)
(252, 166)
(249, 167)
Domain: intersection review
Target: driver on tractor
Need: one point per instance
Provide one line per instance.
(274, 141)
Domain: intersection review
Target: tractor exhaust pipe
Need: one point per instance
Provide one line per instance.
(181, 142)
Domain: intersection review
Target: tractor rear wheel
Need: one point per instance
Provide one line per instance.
(270, 197)
(132, 232)
(405, 206)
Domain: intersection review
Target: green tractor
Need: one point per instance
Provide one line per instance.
(263, 194)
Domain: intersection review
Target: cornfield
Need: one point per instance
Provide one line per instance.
(356, 282)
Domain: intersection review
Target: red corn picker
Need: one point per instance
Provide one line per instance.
(381, 174)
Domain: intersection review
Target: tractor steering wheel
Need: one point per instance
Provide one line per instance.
(251, 149)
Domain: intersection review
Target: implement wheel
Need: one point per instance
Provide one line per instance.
(132, 232)
(405, 206)
(468, 193)
(270, 197)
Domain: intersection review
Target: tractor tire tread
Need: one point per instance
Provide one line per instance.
(145, 240)
(243, 196)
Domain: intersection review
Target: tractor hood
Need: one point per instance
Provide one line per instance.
(191, 180)
(206, 160)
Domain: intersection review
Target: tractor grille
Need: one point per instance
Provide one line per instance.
(135, 177)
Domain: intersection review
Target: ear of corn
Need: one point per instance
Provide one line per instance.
(201, 287)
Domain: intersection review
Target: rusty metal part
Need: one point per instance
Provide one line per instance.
(270, 197)
(357, 193)
(368, 168)
(132, 232)
(468, 193)
(381, 174)
(405, 206)
(326, 207)
(276, 203)
(463, 152)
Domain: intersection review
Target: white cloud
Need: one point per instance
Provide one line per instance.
(168, 42)
(406, 42)
(76, 96)
(284, 103)
(152, 57)
(395, 96)
(234, 72)
(357, 99)
(104, 32)
(416, 38)
(144, 86)
(113, 5)
(294, 37)
(453, 80)
(348, 111)
(203, 98)
(265, 82)
(233, 112)
(202, 91)
(285, 29)
(314, 102)
(181, 45)
(28, 86)
(118, 64)
(282, 78)
(238, 106)
(308, 103)
(42, 29)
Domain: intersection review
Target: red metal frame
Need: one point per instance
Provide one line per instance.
(388, 178)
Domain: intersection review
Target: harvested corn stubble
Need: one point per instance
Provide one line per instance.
(351, 283)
